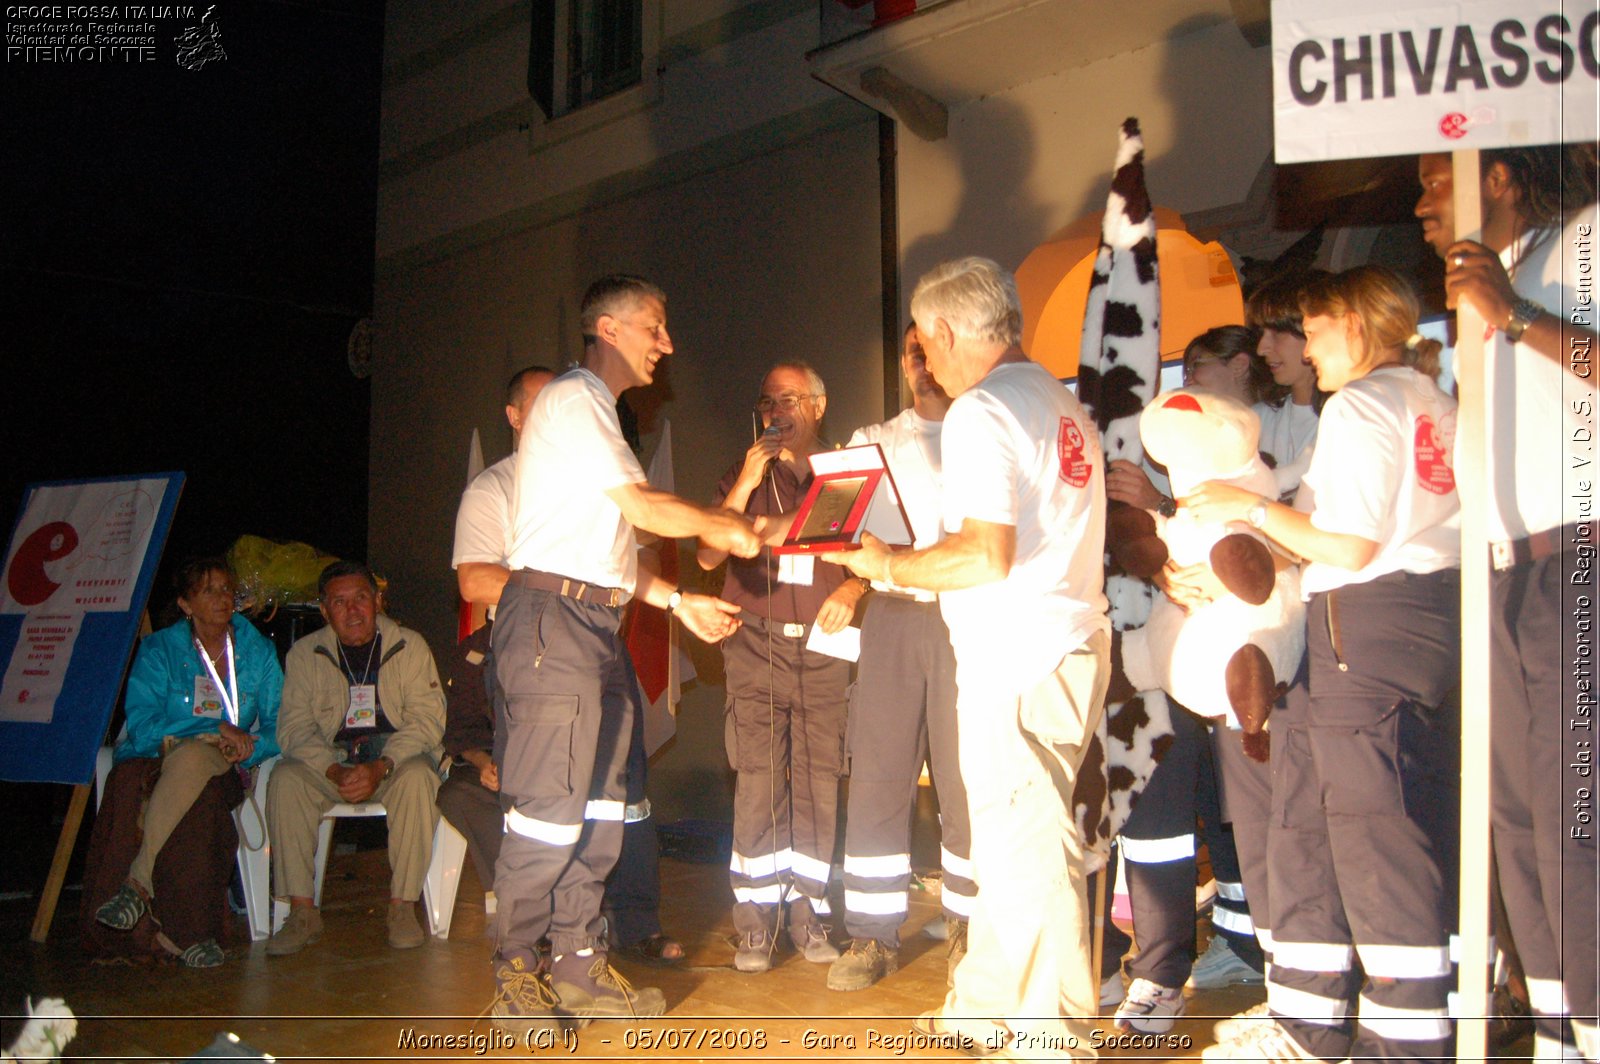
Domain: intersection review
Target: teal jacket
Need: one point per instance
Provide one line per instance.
(160, 698)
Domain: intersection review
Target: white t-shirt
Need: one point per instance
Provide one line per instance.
(484, 517)
(911, 446)
(572, 453)
(1534, 424)
(1020, 450)
(1288, 434)
(1382, 470)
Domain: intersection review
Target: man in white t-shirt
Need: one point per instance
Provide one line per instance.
(1021, 585)
(469, 798)
(903, 711)
(1531, 280)
(565, 685)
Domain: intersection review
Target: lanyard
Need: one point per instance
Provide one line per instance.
(229, 694)
(350, 673)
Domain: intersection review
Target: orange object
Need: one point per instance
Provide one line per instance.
(1199, 290)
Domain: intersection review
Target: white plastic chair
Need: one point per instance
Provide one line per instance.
(254, 864)
(438, 889)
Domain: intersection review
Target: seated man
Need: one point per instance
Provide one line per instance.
(361, 719)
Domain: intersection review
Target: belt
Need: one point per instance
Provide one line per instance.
(921, 598)
(567, 587)
(788, 628)
(1534, 548)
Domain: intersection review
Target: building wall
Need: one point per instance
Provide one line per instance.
(742, 186)
(1020, 164)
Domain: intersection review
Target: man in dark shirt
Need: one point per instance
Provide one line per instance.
(786, 704)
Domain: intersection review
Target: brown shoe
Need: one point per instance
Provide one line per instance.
(864, 963)
(404, 931)
(524, 1005)
(303, 927)
(589, 988)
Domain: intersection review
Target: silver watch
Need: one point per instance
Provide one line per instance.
(674, 600)
(1257, 514)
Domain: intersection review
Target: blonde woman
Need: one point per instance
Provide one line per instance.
(1361, 852)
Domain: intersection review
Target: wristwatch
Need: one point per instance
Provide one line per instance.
(1167, 507)
(388, 769)
(674, 600)
(1524, 312)
(1257, 514)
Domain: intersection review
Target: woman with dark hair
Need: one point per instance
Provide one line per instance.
(201, 705)
(1361, 852)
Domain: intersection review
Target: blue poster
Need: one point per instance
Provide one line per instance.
(78, 572)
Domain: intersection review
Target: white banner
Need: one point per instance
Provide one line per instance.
(38, 667)
(1359, 78)
(78, 547)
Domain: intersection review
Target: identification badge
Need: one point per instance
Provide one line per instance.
(363, 711)
(796, 569)
(207, 698)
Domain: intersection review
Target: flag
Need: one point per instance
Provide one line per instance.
(652, 637)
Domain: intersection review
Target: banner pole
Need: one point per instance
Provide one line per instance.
(1472, 998)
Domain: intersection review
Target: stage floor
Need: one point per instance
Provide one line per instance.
(349, 996)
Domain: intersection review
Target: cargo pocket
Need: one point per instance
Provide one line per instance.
(538, 758)
(1358, 760)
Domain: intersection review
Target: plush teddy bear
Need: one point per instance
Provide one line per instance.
(1234, 654)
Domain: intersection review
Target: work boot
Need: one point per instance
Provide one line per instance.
(589, 988)
(404, 931)
(754, 953)
(810, 935)
(523, 1004)
(303, 927)
(864, 963)
(956, 948)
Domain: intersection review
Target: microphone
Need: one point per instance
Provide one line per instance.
(772, 430)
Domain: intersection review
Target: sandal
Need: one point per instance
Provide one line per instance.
(655, 949)
(205, 954)
(124, 909)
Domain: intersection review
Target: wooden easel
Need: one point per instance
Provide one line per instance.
(53, 883)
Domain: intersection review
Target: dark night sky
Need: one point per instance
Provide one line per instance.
(184, 254)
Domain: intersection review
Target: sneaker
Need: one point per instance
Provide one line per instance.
(755, 951)
(524, 1004)
(404, 931)
(956, 948)
(590, 988)
(1266, 1042)
(303, 927)
(1219, 966)
(1149, 1008)
(1235, 1026)
(123, 909)
(811, 939)
(864, 963)
(1111, 991)
(205, 954)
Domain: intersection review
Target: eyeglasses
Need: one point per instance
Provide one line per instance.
(787, 403)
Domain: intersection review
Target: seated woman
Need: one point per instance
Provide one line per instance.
(163, 845)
